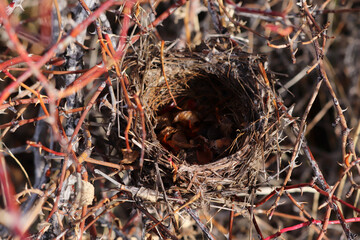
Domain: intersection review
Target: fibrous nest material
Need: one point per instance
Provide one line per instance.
(210, 121)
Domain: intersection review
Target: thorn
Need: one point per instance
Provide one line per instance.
(28, 146)
(102, 101)
(291, 109)
(22, 9)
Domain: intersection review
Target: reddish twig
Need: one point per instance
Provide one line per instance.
(163, 71)
(42, 147)
(127, 129)
(18, 123)
(124, 29)
(21, 102)
(231, 222)
(8, 193)
(40, 98)
(305, 224)
(58, 46)
(142, 118)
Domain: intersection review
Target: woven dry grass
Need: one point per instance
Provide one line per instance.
(219, 79)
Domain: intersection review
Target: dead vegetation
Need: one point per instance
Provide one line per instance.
(179, 119)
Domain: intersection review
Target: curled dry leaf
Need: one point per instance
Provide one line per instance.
(87, 193)
(221, 144)
(186, 119)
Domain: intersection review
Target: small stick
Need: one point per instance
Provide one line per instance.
(142, 116)
(163, 70)
(128, 148)
(231, 222)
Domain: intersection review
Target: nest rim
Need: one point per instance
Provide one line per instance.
(240, 168)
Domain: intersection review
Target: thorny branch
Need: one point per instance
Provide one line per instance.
(69, 144)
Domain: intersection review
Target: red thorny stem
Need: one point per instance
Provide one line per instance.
(39, 97)
(8, 193)
(307, 223)
(56, 47)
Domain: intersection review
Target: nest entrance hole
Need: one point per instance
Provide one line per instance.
(207, 123)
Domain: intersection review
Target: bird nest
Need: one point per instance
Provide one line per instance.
(210, 121)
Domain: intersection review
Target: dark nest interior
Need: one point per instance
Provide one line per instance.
(210, 121)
